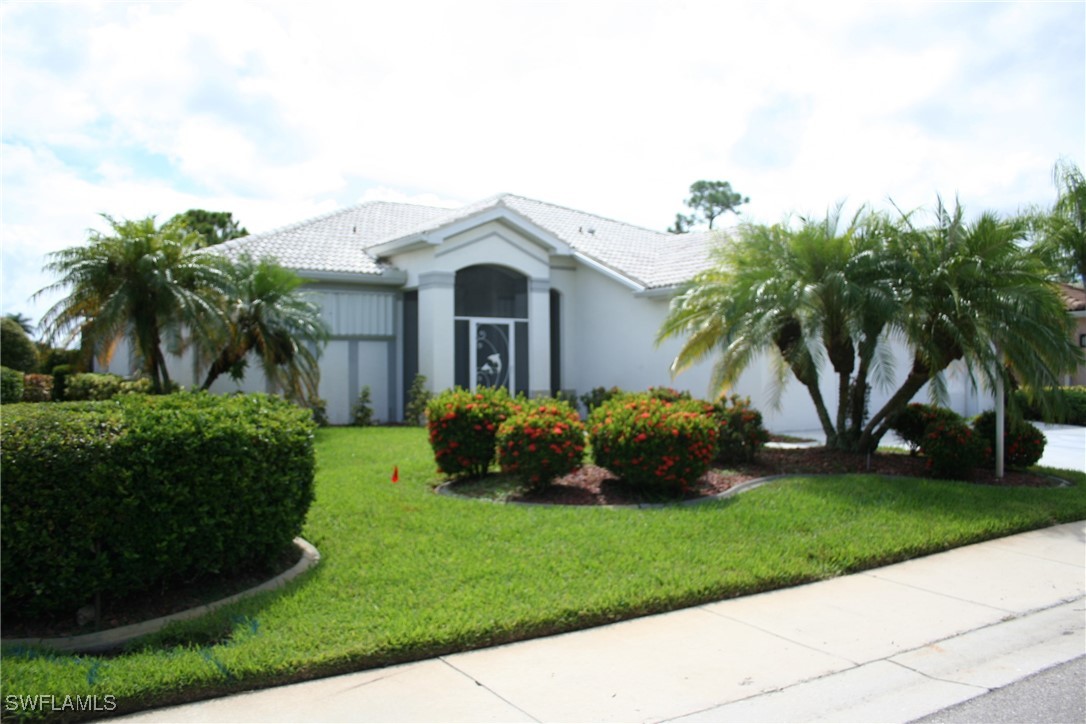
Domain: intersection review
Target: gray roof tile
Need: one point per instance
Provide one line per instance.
(338, 242)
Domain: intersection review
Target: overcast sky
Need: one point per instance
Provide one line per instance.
(279, 111)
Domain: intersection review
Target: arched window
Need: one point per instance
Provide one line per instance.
(491, 317)
(491, 291)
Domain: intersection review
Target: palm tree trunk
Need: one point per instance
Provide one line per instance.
(880, 422)
(222, 364)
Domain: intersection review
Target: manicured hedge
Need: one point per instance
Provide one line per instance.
(136, 493)
(654, 444)
(11, 385)
(541, 440)
(1071, 405)
(1023, 443)
(463, 427)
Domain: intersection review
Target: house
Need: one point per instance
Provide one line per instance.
(507, 291)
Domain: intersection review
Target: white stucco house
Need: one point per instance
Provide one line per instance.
(507, 291)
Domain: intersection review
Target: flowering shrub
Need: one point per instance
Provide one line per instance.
(952, 448)
(463, 428)
(1023, 443)
(667, 394)
(911, 423)
(652, 443)
(542, 441)
(741, 431)
(37, 388)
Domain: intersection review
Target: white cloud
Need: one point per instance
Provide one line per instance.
(278, 111)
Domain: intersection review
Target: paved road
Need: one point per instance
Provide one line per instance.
(1056, 696)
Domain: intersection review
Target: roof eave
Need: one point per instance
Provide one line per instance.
(387, 277)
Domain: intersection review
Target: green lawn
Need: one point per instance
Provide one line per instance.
(407, 574)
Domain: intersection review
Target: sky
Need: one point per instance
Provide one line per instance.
(281, 111)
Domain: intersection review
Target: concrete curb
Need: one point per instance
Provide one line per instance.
(115, 638)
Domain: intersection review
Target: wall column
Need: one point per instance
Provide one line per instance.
(539, 337)
(437, 300)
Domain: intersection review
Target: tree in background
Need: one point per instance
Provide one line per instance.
(214, 227)
(709, 200)
(138, 281)
(17, 350)
(1062, 231)
(267, 314)
(813, 293)
(25, 322)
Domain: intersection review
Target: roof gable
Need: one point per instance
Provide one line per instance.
(357, 239)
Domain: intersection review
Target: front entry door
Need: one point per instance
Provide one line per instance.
(492, 353)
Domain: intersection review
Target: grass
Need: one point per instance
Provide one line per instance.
(406, 574)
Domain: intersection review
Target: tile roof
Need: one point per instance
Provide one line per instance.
(338, 242)
(1074, 297)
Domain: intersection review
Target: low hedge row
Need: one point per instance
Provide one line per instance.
(1070, 401)
(130, 495)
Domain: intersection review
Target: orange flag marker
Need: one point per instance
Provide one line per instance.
(396, 474)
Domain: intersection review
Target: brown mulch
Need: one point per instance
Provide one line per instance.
(592, 485)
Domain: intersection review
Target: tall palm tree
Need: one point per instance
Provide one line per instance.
(267, 315)
(139, 282)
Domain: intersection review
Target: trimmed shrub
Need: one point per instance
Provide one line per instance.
(541, 441)
(138, 493)
(363, 409)
(11, 385)
(463, 428)
(668, 394)
(1023, 443)
(911, 423)
(61, 374)
(17, 350)
(597, 396)
(318, 411)
(741, 432)
(953, 450)
(37, 388)
(1072, 405)
(654, 444)
(102, 386)
(418, 397)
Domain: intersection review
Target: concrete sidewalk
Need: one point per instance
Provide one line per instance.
(889, 644)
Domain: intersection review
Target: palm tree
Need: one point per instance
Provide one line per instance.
(138, 282)
(973, 295)
(803, 295)
(24, 322)
(266, 314)
(813, 295)
(1063, 231)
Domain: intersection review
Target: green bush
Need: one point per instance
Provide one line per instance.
(540, 441)
(134, 494)
(741, 431)
(318, 411)
(654, 444)
(953, 449)
(668, 394)
(11, 385)
(463, 428)
(911, 423)
(102, 386)
(363, 409)
(61, 374)
(1023, 443)
(1070, 401)
(17, 350)
(37, 388)
(597, 396)
(418, 397)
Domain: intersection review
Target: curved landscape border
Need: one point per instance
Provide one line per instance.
(446, 490)
(115, 638)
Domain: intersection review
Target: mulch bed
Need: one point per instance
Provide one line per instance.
(592, 485)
